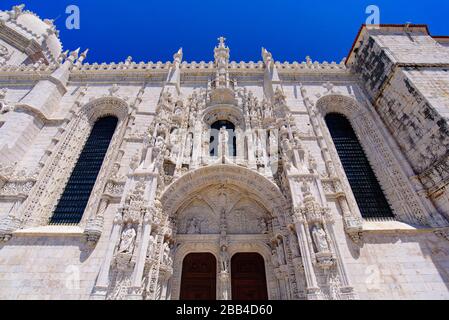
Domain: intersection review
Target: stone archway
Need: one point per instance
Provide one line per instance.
(392, 175)
(224, 207)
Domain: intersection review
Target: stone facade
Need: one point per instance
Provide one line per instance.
(161, 195)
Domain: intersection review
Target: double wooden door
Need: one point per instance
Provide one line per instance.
(199, 277)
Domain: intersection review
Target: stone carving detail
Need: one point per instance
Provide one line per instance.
(5, 107)
(39, 206)
(127, 241)
(224, 260)
(320, 239)
(5, 55)
(404, 200)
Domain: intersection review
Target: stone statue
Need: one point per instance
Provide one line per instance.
(159, 143)
(281, 253)
(174, 142)
(166, 253)
(294, 245)
(320, 239)
(189, 146)
(127, 239)
(263, 225)
(193, 226)
(274, 258)
(224, 260)
(268, 113)
(151, 245)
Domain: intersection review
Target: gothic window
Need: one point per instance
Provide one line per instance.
(214, 137)
(77, 192)
(365, 186)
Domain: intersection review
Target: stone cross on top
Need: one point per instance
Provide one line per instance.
(222, 42)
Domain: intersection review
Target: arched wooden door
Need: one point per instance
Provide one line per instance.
(199, 277)
(249, 280)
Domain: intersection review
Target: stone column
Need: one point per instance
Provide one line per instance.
(141, 260)
(198, 151)
(282, 285)
(311, 281)
(101, 287)
(250, 146)
(225, 292)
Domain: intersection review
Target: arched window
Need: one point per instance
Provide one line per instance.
(367, 191)
(77, 192)
(214, 137)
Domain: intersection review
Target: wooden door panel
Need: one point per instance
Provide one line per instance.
(199, 277)
(248, 277)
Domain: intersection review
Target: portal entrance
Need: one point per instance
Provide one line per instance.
(199, 277)
(249, 281)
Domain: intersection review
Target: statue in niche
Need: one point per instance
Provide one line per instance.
(294, 245)
(193, 226)
(224, 260)
(268, 112)
(189, 146)
(174, 139)
(151, 246)
(320, 239)
(281, 253)
(127, 239)
(263, 225)
(166, 255)
(274, 258)
(159, 143)
(254, 113)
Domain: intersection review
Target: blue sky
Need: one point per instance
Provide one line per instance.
(154, 30)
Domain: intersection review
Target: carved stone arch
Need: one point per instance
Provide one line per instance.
(397, 188)
(92, 111)
(39, 206)
(224, 112)
(337, 103)
(105, 106)
(267, 193)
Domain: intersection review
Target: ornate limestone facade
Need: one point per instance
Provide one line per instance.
(223, 169)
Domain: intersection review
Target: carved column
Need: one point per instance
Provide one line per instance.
(136, 284)
(198, 139)
(312, 289)
(101, 288)
(225, 286)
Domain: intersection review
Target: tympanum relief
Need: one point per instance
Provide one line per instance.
(243, 214)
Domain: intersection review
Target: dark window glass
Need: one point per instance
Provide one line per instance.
(365, 186)
(74, 199)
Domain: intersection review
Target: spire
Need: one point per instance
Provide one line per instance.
(272, 82)
(16, 11)
(81, 58)
(222, 54)
(174, 74)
